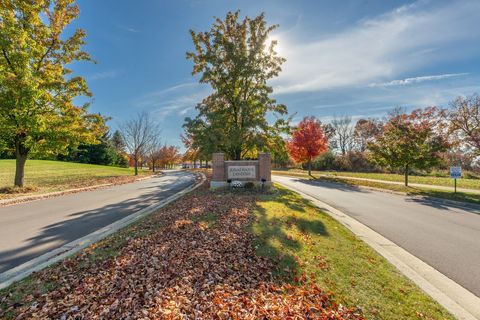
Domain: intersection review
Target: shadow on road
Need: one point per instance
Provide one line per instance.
(332, 185)
(444, 204)
(83, 223)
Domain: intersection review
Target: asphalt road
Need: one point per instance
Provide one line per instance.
(445, 236)
(31, 229)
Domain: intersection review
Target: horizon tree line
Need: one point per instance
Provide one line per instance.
(423, 139)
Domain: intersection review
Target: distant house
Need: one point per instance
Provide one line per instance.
(195, 165)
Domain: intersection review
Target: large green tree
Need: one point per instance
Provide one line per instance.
(236, 59)
(414, 140)
(37, 113)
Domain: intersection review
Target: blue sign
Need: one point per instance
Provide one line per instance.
(455, 172)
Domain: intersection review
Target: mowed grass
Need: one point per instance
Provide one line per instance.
(307, 241)
(429, 180)
(42, 176)
(412, 191)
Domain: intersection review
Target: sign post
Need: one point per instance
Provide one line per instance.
(455, 173)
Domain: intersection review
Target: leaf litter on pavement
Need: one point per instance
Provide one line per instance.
(193, 259)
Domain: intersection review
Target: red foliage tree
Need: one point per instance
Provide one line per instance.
(308, 141)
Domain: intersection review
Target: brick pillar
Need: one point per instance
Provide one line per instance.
(265, 166)
(218, 166)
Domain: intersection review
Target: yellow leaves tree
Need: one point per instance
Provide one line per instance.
(37, 113)
(237, 60)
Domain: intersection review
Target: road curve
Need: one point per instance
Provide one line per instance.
(445, 236)
(31, 229)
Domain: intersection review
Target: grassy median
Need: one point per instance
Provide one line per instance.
(444, 181)
(225, 255)
(308, 242)
(43, 176)
(413, 191)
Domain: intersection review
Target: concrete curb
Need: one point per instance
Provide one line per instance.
(14, 201)
(442, 201)
(418, 185)
(49, 258)
(457, 300)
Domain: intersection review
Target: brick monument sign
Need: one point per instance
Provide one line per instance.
(256, 171)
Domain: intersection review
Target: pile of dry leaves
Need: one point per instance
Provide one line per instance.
(200, 264)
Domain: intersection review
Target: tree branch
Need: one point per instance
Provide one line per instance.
(9, 62)
(45, 54)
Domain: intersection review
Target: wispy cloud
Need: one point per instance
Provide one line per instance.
(104, 75)
(126, 28)
(417, 80)
(404, 40)
(176, 88)
(177, 100)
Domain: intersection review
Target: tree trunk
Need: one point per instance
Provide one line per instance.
(310, 167)
(136, 166)
(21, 158)
(237, 154)
(406, 175)
(153, 166)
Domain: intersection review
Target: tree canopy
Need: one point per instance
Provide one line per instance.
(307, 142)
(37, 112)
(412, 140)
(465, 122)
(236, 59)
(138, 134)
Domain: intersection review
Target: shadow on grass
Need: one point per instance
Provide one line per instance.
(277, 230)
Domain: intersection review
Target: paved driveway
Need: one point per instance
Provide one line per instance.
(445, 236)
(31, 229)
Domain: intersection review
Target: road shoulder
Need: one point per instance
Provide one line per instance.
(49, 258)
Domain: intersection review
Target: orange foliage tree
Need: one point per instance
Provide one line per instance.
(308, 141)
(169, 156)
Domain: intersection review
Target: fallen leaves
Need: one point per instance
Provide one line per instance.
(180, 270)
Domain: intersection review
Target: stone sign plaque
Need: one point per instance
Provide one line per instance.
(241, 172)
(259, 172)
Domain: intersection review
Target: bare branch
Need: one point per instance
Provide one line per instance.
(9, 62)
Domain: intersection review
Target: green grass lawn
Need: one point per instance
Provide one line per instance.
(413, 191)
(308, 241)
(43, 176)
(430, 180)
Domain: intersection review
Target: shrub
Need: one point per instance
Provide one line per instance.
(352, 161)
(249, 185)
(358, 161)
(325, 161)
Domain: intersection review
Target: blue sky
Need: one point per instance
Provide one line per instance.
(360, 58)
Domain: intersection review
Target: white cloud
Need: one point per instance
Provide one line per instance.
(379, 49)
(177, 100)
(417, 80)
